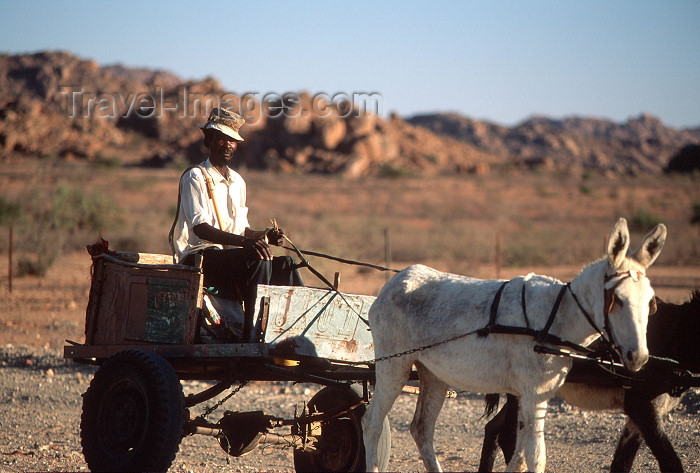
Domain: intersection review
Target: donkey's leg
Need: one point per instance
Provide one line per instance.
(509, 432)
(529, 447)
(503, 428)
(430, 400)
(492, 432)
(647, 415)
(627, 447)
(391, 375)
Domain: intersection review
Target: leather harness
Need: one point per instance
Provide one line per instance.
(543, 335)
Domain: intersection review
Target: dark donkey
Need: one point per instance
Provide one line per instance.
(673, 332)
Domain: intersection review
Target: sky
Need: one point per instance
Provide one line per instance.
(502, 61)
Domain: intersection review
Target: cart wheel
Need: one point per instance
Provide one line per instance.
(133, 414)
(339, 445)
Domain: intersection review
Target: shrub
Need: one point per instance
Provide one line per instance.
(10, 212)
(523, 255)
(55, 217)
(393, 172)
(35, 267)
(107, 161)
(585, 189)
(643, 220)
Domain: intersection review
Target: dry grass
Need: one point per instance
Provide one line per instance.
(452, 222)
(546, 223)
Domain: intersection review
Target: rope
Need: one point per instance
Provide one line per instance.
(340, 260)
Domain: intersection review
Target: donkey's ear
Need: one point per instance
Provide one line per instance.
(650, 248)
(618, 243)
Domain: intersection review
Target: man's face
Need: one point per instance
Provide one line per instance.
(222, 149)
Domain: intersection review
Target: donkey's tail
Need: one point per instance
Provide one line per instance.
(491, 404)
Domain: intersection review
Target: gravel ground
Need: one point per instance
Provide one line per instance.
(40, 405)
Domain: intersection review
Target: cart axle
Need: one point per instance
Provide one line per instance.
(266, 438)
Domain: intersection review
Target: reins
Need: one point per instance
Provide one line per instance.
(680, 378)
(541, 336)
(340, 260)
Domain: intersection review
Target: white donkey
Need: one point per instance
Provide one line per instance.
(420, 307)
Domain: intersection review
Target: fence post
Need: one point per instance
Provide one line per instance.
(498, 256)
(387, 252)
(9, 262)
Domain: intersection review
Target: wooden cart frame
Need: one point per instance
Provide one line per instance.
(142, 328)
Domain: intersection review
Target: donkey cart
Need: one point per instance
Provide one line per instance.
(148, 326)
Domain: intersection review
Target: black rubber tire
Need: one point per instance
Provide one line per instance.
(133, 414)
(344, 434)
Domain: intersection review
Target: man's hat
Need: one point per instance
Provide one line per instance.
(226, 122)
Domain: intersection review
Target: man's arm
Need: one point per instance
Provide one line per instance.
(252, 240)
(272, 236)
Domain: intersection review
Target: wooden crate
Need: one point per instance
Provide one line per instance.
(138, 297)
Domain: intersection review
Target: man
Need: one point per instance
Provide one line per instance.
(212, 221)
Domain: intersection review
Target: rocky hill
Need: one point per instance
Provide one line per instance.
(640, 145)
(57, 104)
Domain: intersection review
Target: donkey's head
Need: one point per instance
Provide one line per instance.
(629, 298)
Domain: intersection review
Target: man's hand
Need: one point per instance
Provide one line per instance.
(275, 236)
(259, 246)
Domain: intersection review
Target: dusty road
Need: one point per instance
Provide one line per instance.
(40, 399)
(40, 405)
